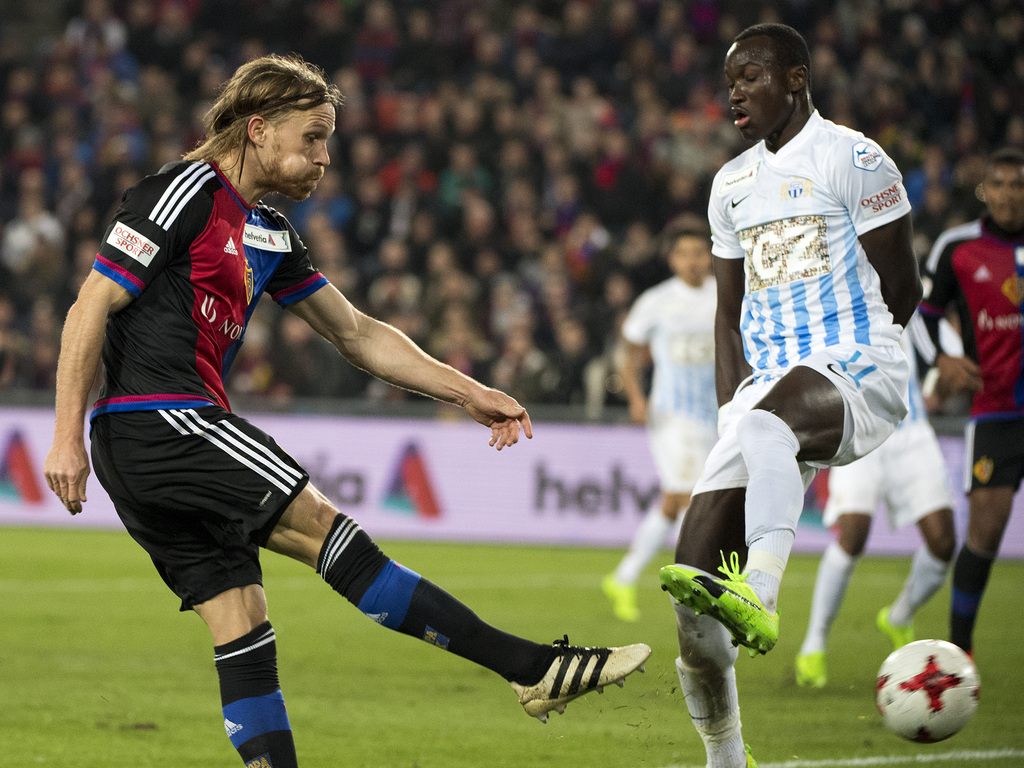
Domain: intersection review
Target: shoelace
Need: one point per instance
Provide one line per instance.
(563, 647)
(568, 652)
(730, 569)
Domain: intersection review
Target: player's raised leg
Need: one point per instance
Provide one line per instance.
(545, 677)
(800, 419)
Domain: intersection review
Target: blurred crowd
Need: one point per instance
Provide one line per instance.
(501, 171)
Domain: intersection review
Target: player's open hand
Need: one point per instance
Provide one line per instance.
(502, 414)
(66, 470)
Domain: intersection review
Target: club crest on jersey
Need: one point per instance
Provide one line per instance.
(866, 156)
(1013, 289)
(738, 178)
(797, 188)
(266, 239)
(248, 282)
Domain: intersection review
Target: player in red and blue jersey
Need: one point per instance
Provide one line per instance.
(977, 270)
(186, 258)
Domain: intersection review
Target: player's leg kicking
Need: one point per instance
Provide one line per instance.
(545, 677)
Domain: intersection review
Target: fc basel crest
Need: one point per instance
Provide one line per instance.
(983, 469)
(248, 282)
(1012, 289)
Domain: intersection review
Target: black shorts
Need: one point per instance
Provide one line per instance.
(200, 489)
(994, 453)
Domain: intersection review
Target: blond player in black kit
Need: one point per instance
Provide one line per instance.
(188, 254)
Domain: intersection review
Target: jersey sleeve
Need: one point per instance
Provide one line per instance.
(941, 289)
(146, 232)
(868, 184)
(295, 277)
(637, 327)
(724, 243)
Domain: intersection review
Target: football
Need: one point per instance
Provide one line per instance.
(927, 690)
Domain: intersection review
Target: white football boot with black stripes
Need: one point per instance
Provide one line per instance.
(576, 671)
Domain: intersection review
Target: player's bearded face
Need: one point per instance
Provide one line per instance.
(297, 152)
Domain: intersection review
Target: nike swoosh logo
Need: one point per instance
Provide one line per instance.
(839, 373)
(737, 202)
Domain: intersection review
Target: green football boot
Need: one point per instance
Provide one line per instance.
(751, 762)
(900, 635)
(728, 600)
(622, 597)
(810, 670)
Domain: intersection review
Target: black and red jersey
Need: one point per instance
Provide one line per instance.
(980, 269)
(197, 258)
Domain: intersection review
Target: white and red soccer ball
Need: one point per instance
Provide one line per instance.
(927, 690)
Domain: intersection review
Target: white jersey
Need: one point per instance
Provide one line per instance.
(677, 322)
(794, 217)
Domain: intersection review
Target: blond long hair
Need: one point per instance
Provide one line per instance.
(269, 86)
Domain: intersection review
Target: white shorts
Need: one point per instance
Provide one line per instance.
(873, 383)
(680, 446)
(906, 472)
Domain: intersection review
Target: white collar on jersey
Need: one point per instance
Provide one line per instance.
(795, 145)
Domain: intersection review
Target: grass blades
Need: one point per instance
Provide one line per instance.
(98, 669)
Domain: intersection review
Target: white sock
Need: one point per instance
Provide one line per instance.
(707, 678)
(834, 573)
(648, 540)
(775, 495)
(926, 577)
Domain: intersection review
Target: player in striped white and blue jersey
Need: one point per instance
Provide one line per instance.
(672, 326)
(816, 279)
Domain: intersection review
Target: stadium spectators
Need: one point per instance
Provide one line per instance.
(541, 141)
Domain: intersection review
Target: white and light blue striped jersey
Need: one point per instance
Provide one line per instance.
(794, 217)
(677, 322)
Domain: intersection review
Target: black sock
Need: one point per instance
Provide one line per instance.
(400, 599)
(970, 576)
(254, 713)
(441, 620)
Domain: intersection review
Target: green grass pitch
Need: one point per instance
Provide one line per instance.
(98, 669)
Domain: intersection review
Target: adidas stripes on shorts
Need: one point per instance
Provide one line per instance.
(200, 489)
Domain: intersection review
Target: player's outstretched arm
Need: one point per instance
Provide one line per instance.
(66, 467)
(390, 355)
(890, 250)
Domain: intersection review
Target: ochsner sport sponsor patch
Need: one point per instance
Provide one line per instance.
(882, 201)
(267, 239)
(127, 240)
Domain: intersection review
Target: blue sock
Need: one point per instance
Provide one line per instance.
(970, 577)
(255, 717)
